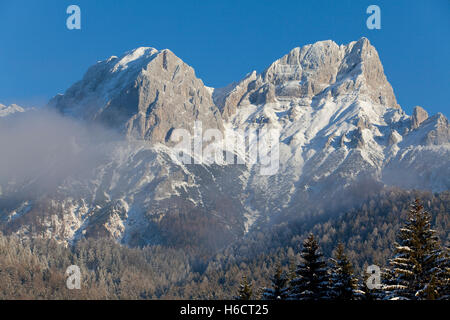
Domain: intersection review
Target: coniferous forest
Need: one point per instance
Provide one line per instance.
(394, 246)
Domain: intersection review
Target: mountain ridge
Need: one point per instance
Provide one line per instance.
(9, 110)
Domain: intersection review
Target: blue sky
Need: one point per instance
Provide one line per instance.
(222, 40)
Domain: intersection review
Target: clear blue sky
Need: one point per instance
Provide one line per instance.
(222, 40)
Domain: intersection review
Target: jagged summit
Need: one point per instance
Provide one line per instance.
(11, 109)
(145, 92)
(312, 72)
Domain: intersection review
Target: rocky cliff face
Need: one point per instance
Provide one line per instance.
(341, 133)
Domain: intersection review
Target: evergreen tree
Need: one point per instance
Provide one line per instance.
(312, 280)
(292, 269)
(245, 290)
(367, 293)
(370, 293)
(344, 285)
(416, 264)
(279, 290)
(443, 278)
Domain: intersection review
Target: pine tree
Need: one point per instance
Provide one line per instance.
(370, 293)
(367, 293)
(312, 280)
(279, 290)
(245, 290)
(344, 285)
(416, 264)
(292, 269)
(443, 277)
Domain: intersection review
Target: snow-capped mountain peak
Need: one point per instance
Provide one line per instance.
(139, 57)
(145, 93)
(313, 72)
(9, 110)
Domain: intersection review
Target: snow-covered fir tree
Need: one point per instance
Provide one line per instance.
(245, 290)
(279, 289)
(416, 267)
(372, 293)
(312, 281)
(344, 285)
(444, 275)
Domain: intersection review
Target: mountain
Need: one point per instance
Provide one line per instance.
(9, 110)
(339, 123)
(342, 135)
(145, 92)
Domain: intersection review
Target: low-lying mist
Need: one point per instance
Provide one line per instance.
(41, 148)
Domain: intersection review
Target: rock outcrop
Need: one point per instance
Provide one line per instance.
(419, 115)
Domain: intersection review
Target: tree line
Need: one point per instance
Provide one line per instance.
(419, 270)
(35, 268)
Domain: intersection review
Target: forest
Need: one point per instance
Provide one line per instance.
(407, 239)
